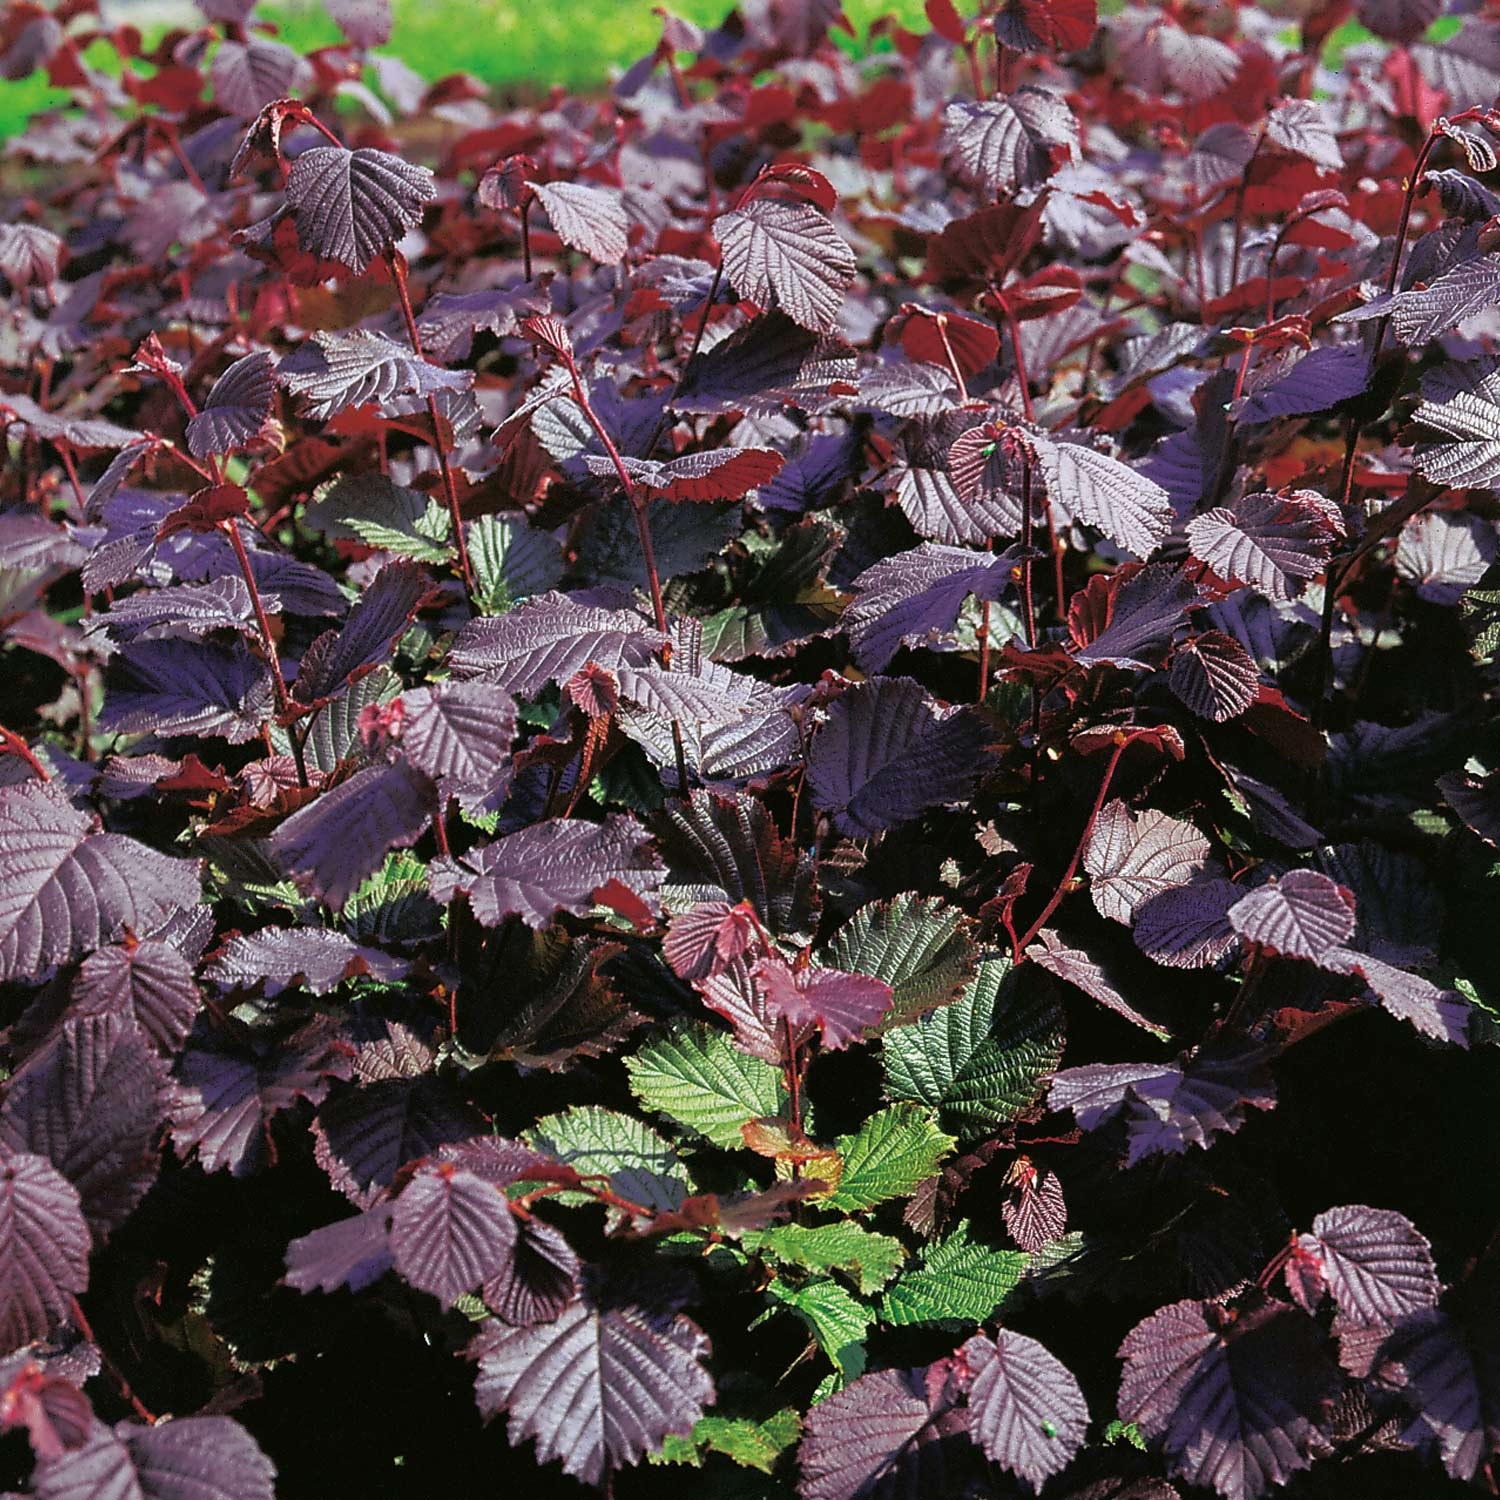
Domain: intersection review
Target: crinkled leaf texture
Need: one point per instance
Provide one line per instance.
(1374, 1262)
(788, 256)
(1130, 859)
(1095, 487)
(560, 864)
(587, 217)
(897, 1433)
(888, 752)
(192, 1458)
(451, 1231)
(598, 1388)
(360, 368)
(1236, 1403)
(66, 889)
(236, 408)
(1167, 1106)
(1302, 915)
(44, 1247)
(1025, 1409)
(354, 206)
(90, 1102)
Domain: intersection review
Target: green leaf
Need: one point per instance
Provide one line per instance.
(982, 1060)
(959, 1281)
(394, 905)
(511, 560)
(641, 1165)
(372, 509)
(838, 1322)
(920, 946)
(869, 1259)
(1480, 609)
(888, 1157)
(701, 1080)
(1124, 1432)
(751, 1444)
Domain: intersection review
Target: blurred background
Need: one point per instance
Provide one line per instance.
(521, 47)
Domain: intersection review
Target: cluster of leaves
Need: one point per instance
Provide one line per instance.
(790, 773)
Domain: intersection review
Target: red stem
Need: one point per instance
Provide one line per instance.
(81, 1323)
(793, 1075)
(1088, 830)
(439, 446)
(12, 744)
(643, 529)
(526, 238)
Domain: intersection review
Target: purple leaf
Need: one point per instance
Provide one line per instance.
(44, 1247)
(548, 639)
(382, 614)
(1084, 973)
(450, 320)
(587, 217)
(1438, 1013)
(716, 474)
(451, 1231)
(914, 599)
(90, 1102)
(1129, 860)
(192, 1458)
(459, 735)
(315, 958)
(1167, 1106)
(236, 409)
(1442, 554)
(788, 256)
(1462, 402)
(249, 75)
(353, 206)
(1138, 618)
(894, 1435)
(599, 1387)
(1300, 126)
(1187, 926)
(175, 687)
(1004, 144)
(1214, 676)
(30, 255)
(1236, 1404)
(335, 843)
(888, 752)
(66, 890)
(185, 610)
(766, 365)
(1266, 540)
(367, 23)
(149, 982)
(1302, 915)
(1025, 1409)
(1035, 1211)
(541, 1279)
(364, 1136)
(359, 368)
(229, 1087)
(1451, 1379)
(1400, 21)
(560, 864)
(353, 1253)
(1374, 1261)
(55, 427)
(842, 1006)
(1091, 486)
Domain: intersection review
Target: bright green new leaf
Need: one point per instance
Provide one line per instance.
(920, 946)
(888, 1157)
(700, 1079)
(511, 560)
(958, 1281)
(751, 1444)
(838, 1321)
(980, 1061)
(640, 1165)
(869, 1259)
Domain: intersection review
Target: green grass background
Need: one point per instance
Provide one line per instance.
(517, 45)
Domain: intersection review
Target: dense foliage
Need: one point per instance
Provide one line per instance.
(791, 774)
